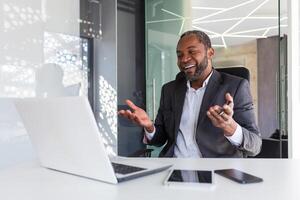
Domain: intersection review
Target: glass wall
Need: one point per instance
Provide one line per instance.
(40, 44)
(244, 33)
(52, 48)
(41, 55)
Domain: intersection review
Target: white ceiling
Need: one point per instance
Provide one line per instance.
(229, 22)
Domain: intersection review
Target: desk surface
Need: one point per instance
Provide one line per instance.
(29, 181)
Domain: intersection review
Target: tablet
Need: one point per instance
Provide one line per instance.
(238, 176)
(198, 178)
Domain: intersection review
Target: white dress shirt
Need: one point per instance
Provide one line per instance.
(186, 146)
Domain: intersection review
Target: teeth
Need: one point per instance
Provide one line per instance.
(189, 66)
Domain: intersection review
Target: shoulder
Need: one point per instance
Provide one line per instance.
(228, 79)
(180, 80)
(228, 83)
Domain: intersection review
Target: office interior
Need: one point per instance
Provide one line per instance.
(112, 50)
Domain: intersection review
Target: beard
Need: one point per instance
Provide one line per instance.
(199, 70)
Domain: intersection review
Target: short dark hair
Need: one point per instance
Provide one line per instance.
(202, 37)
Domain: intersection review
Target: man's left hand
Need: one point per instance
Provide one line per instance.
(221, 117)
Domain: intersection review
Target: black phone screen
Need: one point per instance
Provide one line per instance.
(191, 176)
(238, 176)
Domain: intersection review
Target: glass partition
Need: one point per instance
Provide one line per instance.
(52, 48)
(243, 33)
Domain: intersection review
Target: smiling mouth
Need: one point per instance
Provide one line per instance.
(188, 67)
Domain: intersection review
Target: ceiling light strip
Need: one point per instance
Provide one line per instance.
(267, 30)
(216, 20)
(171, 13)
(205, 30)
(214, 36)
(258, 29)
(181, 27)
(244, 36)
(262, 17)
(244, 18)
(165, 20)
(221, 11)
(217, 45)
(232, 19)
(223, 40)
(206, 8)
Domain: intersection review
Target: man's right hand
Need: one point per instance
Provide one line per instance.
(137, 115)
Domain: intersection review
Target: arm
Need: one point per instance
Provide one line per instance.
(239, 113)
(154, 135)
(160, 136)
(244, 116)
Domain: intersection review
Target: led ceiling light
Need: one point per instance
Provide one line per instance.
(179, 16)
(243, 36)
(266, 31)
(249, 33)
(171, 13)
(257, 29)
(222, 11)
(164, 20)
(244, 18)
(231, 19)
(208, 31)
(223, 40)
(206, 8)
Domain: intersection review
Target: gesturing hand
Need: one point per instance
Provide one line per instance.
(137, 115)
(221, 117)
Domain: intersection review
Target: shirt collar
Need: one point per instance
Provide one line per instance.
(204, 83)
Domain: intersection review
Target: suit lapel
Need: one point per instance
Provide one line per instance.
(179, 96)
(209, 95)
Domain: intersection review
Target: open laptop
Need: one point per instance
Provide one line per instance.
(66, 137)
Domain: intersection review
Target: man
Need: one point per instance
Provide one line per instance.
(203, 113)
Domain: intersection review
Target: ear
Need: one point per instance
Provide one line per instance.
(210, 52)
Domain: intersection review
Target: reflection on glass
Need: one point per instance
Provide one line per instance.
(236, 22)
(20, 78)
(107, 116)
(16, 16)
(49, 82)
(236, 29)
(69, 52)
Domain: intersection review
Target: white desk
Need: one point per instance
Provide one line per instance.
(29, 181)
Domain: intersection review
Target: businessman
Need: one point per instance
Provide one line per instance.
(202, 113)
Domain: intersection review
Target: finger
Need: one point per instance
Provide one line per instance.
(124, 114)
(121, 112)
(215, 112)
(228, 110)
(133, 117)
(215, 121)
(211, 117)
(129, 114)
(229, 99)
(216, 108)
(225, 116)
(131, 105)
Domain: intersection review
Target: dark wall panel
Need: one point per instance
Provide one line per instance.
(268, 62)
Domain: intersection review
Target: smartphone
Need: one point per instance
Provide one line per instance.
(189, 178)
(238, 176)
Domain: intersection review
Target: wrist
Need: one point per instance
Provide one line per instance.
(230, 129)
(150, 128)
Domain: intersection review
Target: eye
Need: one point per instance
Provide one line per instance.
(179, 55)
(193, 52)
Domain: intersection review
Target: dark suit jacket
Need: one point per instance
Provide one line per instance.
(210, 139)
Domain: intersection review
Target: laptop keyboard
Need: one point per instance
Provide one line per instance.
(125, 169)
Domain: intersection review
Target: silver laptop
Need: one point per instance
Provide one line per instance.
(66, 137)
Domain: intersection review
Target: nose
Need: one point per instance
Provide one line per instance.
(185, 58)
